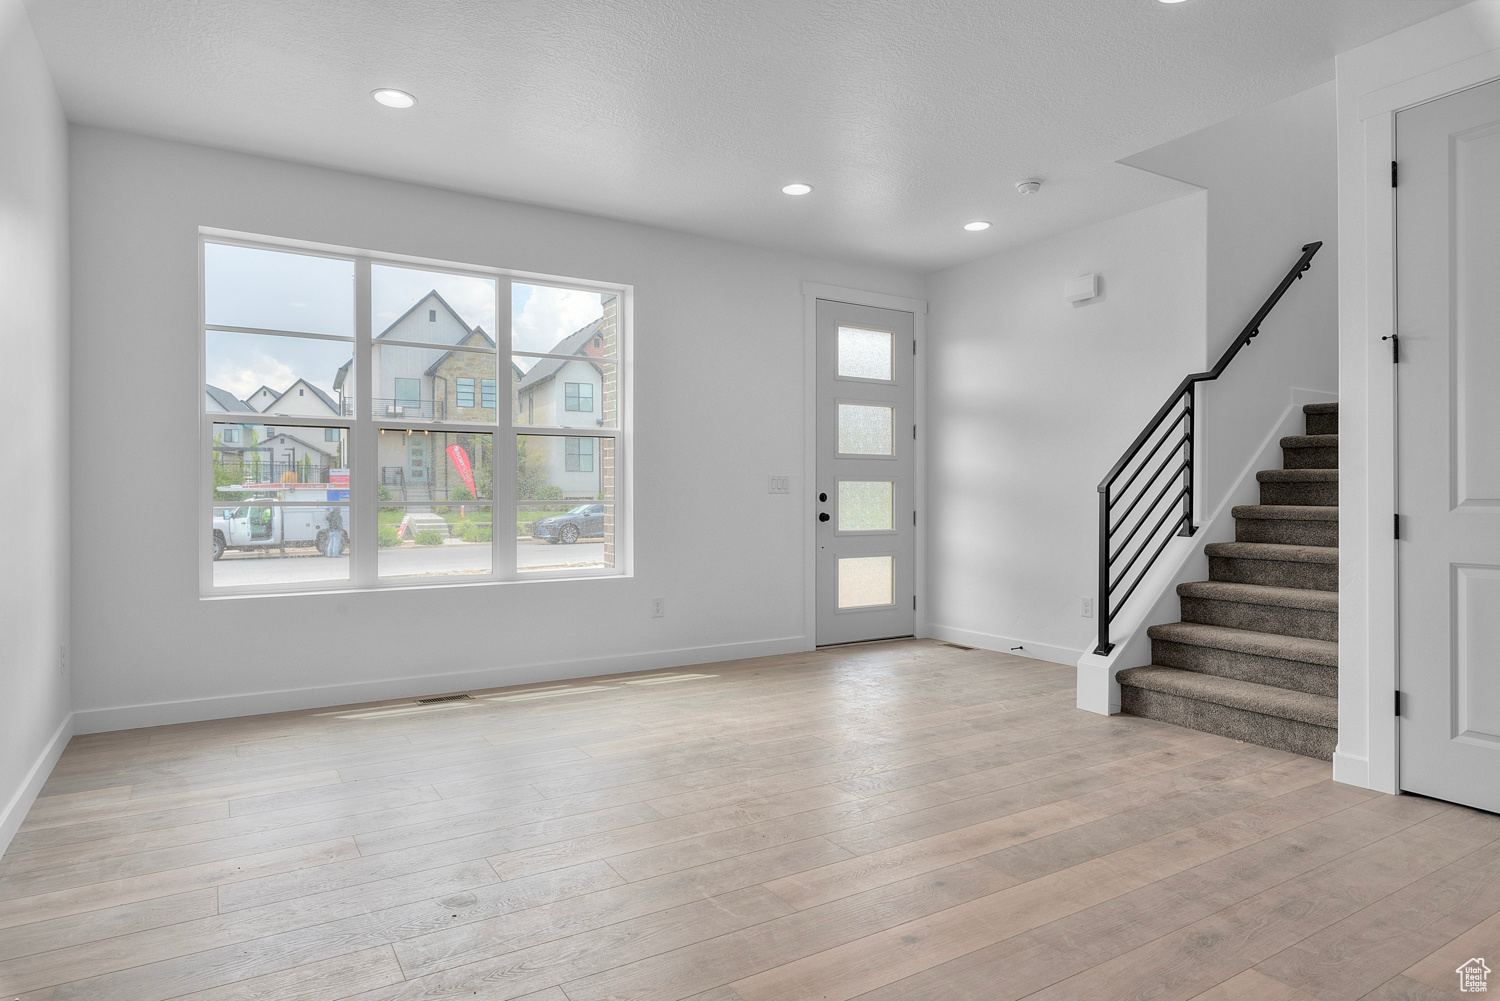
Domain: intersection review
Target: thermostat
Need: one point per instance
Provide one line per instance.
(1081, 288)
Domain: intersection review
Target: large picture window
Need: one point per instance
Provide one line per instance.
(353, 428)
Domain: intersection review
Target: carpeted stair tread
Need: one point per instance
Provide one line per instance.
(1298, 476)
(1313, 486)
(1248, 641)
(1321, 418)
(1310, 441)
(1310, 451)
(1286, 512)
(1260, 594)
(1316, 710)
(1272, 551)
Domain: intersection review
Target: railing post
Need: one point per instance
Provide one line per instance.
(1188, 527)
(1101, 608)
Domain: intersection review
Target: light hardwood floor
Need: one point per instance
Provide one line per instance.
(905, 820)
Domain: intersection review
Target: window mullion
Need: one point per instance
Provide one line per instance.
(365, 447)
(503, 462)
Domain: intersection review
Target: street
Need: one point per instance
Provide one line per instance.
(305, 565)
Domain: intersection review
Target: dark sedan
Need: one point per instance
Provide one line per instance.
(586, 521)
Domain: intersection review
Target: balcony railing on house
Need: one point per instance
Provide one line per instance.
(1145, 501)
(400, 409)
(407, 409)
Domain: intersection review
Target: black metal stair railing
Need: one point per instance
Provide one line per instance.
(1164, 498)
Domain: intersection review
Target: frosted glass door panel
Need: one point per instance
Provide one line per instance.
(865, 581)
(864, 430)
(864, 354)
(865, 505)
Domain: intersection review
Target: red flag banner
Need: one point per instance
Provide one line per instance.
(460, 460)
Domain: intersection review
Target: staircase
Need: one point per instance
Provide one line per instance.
(1255, 656)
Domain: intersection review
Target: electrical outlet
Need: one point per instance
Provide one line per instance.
(1086, 606)
(62, 658)
(658, 607)
(779, 485)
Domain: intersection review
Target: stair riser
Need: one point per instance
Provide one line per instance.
(1323, 423)
(1315, 679)
(1287, 532)
(1305, 622)
(1275, 573)
(1312, 494)
(1312, 457)
(1238, 724)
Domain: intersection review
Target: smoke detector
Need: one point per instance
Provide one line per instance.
(1029, 187)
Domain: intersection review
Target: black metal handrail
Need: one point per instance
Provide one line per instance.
(1162, 503)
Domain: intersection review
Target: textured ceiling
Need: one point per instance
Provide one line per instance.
(911, 117)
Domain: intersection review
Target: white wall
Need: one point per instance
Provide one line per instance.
(1271, 177)
(1031, 400)
(1428, 60)
(34, 691)
(701, 306)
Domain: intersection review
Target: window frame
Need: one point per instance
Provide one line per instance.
(458, 392)
(362, 427)
(573, 453)
(573, 397)
(397, 398)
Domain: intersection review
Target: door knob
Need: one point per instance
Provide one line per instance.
(823, 516)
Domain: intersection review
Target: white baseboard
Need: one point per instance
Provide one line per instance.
(289, 700)
(1005, 644)
(1351, 770)
(20, 802)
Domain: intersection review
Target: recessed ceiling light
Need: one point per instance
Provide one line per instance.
(797, 189)
(393, 98)
(976, 226)
(1171, 1)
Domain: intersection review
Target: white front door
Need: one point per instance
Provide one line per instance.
(866, 443)
(1448, 318)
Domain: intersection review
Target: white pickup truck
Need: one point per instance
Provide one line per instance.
(257, 524)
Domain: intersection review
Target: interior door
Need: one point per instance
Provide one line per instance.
(1448, 316)
(866, 442)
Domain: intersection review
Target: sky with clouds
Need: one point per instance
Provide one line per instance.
(247, 287)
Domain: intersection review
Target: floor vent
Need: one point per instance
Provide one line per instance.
(958, 646)
(443, 698)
